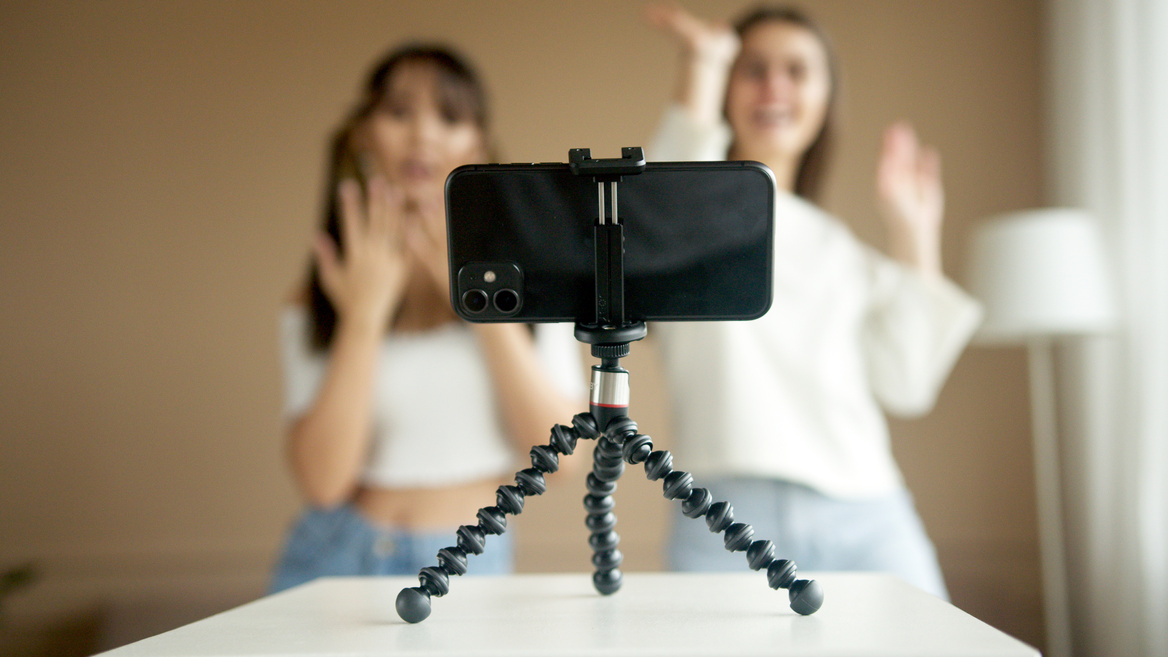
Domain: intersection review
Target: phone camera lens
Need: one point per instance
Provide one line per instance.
(474, 300)
(506, 301)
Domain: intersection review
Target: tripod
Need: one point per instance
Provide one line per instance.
(618, 441)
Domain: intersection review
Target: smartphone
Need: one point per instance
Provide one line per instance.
(698, 241)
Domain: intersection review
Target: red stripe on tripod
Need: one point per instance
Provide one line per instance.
(610, 405)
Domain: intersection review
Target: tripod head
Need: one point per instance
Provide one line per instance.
(610, 334)
(608, 247)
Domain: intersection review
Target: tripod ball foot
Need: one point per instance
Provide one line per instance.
(413, 604)
(806, 596)
(607, 582)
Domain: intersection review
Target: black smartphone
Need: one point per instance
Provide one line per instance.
(698, 241)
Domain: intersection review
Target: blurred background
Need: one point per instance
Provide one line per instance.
(161, 170)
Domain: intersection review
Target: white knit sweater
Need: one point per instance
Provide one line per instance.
(800, 393)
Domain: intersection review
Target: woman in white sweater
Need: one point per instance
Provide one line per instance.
(783, 416)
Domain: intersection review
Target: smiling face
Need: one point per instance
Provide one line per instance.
(779, 92)
(422, 129)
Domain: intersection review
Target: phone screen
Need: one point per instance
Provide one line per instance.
(697, 241)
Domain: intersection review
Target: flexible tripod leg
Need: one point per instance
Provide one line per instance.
(607, 466)
(413, 603)
(806, 596)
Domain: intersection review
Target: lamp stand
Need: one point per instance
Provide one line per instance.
(1048, 482)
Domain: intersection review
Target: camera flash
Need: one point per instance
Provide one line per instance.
(489, 276)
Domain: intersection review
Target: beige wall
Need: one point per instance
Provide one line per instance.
(160, 165)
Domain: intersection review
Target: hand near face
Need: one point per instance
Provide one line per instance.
(366, 282)
(426, 239)
(910, 197)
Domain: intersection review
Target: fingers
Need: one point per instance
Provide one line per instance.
(697, 36)
(929, 165)
(899, 149)
(663, 16)
(385, 208)
(904, 160)
(365, 275)
(426, 238)
(908, 185)
(376, 208)
(901, 145)
(929, 181)
(900, 136)
(377, 218)
(349, 193)
(324, 250)
(671, 18)
(431, 218)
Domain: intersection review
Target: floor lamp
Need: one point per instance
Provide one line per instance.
(1041, 275)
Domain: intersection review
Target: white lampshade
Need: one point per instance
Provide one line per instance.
(1040, 273)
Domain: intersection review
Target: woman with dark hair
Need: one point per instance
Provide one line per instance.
(783, 416)
(402, 419)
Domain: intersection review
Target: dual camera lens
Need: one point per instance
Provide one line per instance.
(505, 301)
(489, 291)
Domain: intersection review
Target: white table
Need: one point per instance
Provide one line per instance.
(863, 615)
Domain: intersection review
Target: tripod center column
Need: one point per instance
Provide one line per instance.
(609, 393)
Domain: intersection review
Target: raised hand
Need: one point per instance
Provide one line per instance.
(707, 39)
(910, 198)
(708, 50)
(365, 280)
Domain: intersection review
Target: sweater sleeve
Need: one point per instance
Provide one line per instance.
(915, 331)
(680, 139)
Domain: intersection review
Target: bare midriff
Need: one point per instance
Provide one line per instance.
(426, 508)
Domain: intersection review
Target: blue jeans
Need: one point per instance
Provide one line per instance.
(340, 542)
(817, 532)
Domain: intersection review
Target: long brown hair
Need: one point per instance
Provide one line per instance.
(461, 96)
(812, 168)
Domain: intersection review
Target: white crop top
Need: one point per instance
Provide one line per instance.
(435, 421)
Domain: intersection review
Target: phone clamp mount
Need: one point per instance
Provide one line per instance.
(618, 441)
